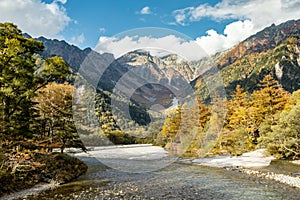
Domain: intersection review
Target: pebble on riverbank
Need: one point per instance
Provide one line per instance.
(296, 162)
(243, 164)
(281, 178)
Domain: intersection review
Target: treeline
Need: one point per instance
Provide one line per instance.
(35, 115)
(36, 99)
(267, 118)
(36, 110)
(100, 124)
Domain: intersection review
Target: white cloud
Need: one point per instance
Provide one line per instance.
(188, 50)
(250, 15)
(102, 30)
(145, 11)
(77, 40)
(61, 1)
(180, 18)
(233, 34)
(36, 17)
(213, 42)
(180, 15)
(261, 13)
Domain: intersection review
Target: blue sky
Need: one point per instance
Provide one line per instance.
(95, 18)
(216, 25)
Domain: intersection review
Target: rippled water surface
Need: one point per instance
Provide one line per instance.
(177, 181)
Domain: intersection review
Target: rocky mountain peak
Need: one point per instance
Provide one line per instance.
(262, 41)
(72, 54)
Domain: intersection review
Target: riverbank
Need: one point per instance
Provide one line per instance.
(36, 189)
(108, 182)
(250, 159)
(31, 173)
(252, 163)
(280, 178)
(175, 181)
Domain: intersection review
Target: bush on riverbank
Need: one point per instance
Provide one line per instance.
(21, 171)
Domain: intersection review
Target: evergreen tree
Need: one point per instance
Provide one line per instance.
(198, 118)
(20, 78)
(18, 83)
(204, 113)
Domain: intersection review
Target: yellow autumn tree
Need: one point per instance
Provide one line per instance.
(234, 138)
(237, 114)
(54, 103)
(170, 127)
(266, 102)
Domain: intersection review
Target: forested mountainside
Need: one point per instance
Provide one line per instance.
(273, 51)
(261, 79)
(265, 40)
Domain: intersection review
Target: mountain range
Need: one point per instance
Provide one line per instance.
(157, 80)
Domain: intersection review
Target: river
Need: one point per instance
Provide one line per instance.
(173, 181)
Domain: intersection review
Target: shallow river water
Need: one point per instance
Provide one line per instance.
(176, 181)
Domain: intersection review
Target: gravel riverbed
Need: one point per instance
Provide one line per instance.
(280, 178)
(178, 180)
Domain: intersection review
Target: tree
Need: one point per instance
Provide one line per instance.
(20, 79)
(237, 115)
(235, 138)
(17, 81)
(54, 102)
(283, 139)
(197, 117)
(204, 113)
(266, 102)
(171, 126)
(271, 98)
(281, 133)
(53, 69)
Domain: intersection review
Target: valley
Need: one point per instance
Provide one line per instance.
(56, 95)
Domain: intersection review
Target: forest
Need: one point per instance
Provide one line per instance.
(35, 115)
(266, 118)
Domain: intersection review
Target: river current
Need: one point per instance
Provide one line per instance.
(175, 181)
